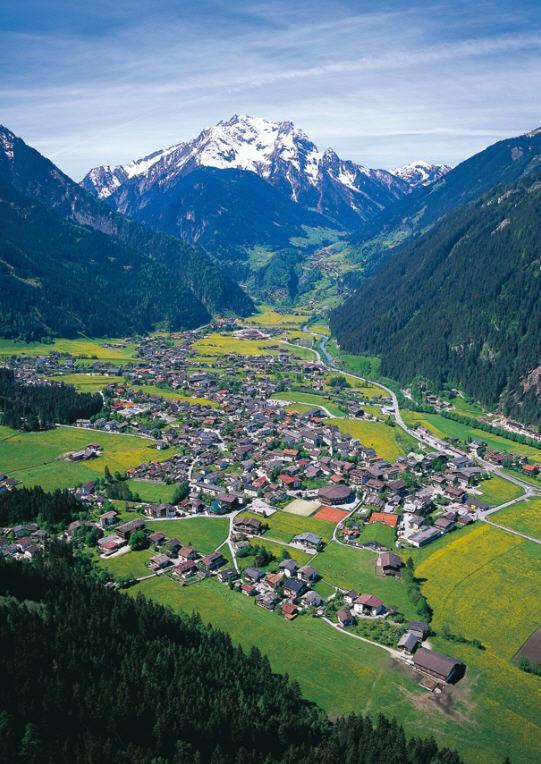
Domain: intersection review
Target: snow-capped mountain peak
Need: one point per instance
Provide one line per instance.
(278, 152)
(421, 173)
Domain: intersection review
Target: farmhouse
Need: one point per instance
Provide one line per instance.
(420, 628)
(289, 567)
(247, 525)
(185, 569)
(424, 537)
(368, 604)
(213, 561)
(294, 588)
(187, 553)
(312, 599)
(227, 575)
(389, 564)
(408, 642)
(439, 666)
(268, 601)
(307, 573)
(127, 529)
(254, 574)
(110, 544)
(289, 611)
(310, 540)
(345, 618)
(160, 510)
(160, 562)
(108, 518)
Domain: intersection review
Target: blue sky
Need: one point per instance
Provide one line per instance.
(382, 83)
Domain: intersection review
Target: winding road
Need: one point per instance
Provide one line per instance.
(528, 490)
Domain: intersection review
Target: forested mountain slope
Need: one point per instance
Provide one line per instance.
(461, 303)
(225, 211)
(70, 264)
(89, 674)
(503, 162)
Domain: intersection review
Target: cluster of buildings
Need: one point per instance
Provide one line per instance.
(23, 541)
(6, 483)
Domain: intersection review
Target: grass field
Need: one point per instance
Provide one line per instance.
(312, 399)
(267, 317)
(88, 383)
(153, 490)
(299, 408)
(204, 533)
(496, 490)
(368, 390)
(352, 568)
(442, 427)
(482, 585)
(531, 480)
(34, 457)
(216, 344)
(364, 365)
(388, 442)
(172, 395)
(129, 565)
(466, 408)
(83, 346)
(283, 526)
(320, 329)
(494, 708)
(339, 673)
(380, 534)
(524, 516)
(276, 549)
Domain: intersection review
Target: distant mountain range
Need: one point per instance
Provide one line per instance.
(70, 264)
(421, 173)
(502, 162)
(454, 294)
(326, 192)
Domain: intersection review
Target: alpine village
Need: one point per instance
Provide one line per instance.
(270, 452)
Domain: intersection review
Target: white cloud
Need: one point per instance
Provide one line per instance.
(382, 87)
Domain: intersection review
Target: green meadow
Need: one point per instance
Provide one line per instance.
(351, 568)
(497, 490)
(283, 526)
(524, 516)
(312, 399)
(89, 383)
(153, 491)
(442, 427)
(80, 347)
(483, 585)
(37, 458)
(387, 441)
(204, 533)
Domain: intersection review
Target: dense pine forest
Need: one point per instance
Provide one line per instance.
(461, 304)
(126, 680)
(52, 511)
(38, 407)
(70, 264)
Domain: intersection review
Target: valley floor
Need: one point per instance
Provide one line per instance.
(480, 581)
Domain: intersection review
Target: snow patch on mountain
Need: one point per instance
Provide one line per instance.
(278, 152)
(421, 173)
